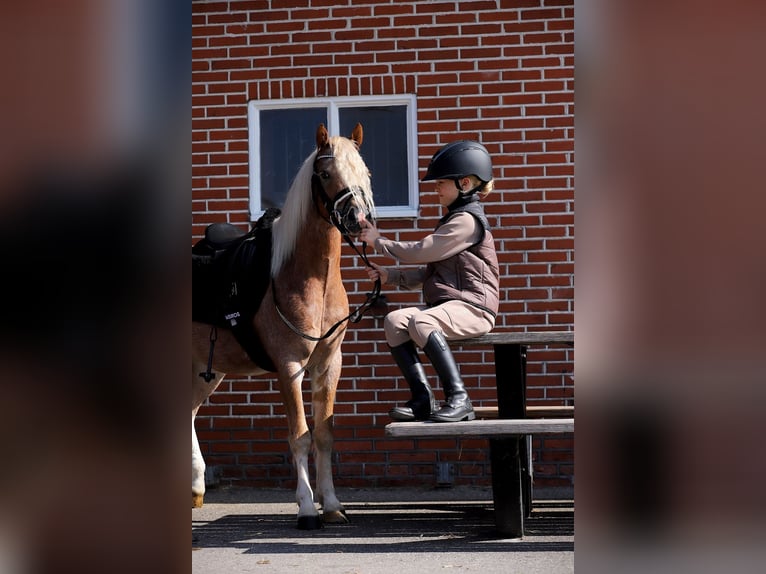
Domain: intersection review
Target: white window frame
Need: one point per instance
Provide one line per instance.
(333, 105)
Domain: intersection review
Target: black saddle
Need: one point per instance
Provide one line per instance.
(231, 269)
(222, 235)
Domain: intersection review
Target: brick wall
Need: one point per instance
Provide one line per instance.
(501, 72)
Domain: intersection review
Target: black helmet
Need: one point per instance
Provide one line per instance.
(459, 159)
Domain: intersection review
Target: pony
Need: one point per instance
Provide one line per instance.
(301, 321)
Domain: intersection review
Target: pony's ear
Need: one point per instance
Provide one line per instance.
(322, 136)
(357, 135)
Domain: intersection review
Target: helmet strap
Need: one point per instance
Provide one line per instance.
(479, 187)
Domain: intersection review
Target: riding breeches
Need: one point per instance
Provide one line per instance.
(455, 319)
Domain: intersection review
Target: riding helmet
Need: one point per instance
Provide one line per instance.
(459, 159)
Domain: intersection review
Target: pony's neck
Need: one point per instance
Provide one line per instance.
(316, 251)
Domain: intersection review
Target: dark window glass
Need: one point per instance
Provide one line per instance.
(287, 138)
(384, 149)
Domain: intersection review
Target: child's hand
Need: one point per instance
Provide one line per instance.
(369, 232)
(377, 272)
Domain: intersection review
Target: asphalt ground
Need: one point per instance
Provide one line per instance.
(414, 530)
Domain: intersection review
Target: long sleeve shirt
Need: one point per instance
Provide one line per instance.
(459, 233)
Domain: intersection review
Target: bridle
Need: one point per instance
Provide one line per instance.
(335, 216)
(337, 219)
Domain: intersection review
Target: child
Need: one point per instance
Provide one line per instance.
(458, 274)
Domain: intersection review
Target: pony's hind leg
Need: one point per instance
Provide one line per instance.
(198, 469)
(200, 391)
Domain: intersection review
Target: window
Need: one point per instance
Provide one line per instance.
(283, 133)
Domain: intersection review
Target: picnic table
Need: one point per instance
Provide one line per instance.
(511, 488)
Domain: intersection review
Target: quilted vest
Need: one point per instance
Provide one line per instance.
(472, 275)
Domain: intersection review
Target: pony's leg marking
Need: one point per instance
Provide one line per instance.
(198, 469)
(308, 516)
(300, 447)
(332, 510)
(200, 391)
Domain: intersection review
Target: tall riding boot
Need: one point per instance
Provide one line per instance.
(422, 403)
(458, 406)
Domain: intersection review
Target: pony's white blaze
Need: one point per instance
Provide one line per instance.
(306, 252)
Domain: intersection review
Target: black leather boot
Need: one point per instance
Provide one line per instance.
(422, 403)
(458, 406)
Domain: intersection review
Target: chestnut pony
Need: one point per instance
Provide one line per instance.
(301, 320)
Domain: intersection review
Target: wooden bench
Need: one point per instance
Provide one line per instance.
(533, 411)
(479, 428)
(506, 426)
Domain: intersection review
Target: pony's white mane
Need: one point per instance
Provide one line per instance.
(298, 203)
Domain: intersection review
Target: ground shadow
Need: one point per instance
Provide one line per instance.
(433, 527)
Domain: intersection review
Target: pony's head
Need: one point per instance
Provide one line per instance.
(333, 180)
(341, 180)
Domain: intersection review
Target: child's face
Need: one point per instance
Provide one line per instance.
(447, 191)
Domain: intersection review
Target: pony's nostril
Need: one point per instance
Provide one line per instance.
(353, 226)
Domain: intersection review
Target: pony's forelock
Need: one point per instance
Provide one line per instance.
(353, 169)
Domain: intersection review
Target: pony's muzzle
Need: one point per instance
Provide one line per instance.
(349, 212)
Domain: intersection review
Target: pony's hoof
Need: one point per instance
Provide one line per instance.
(197, 500)
(309, 523)
(335, 517)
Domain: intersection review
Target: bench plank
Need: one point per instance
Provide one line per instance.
(513, 338)
(490, 428)
(533, 411)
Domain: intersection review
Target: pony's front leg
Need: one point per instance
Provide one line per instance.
(300, 446)
(323, 401)
(308, 517)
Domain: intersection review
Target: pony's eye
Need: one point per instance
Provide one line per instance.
(324, 175)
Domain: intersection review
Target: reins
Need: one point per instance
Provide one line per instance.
(373, 295)
(354, 317)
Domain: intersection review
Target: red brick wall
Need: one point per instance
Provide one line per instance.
(498, 71)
